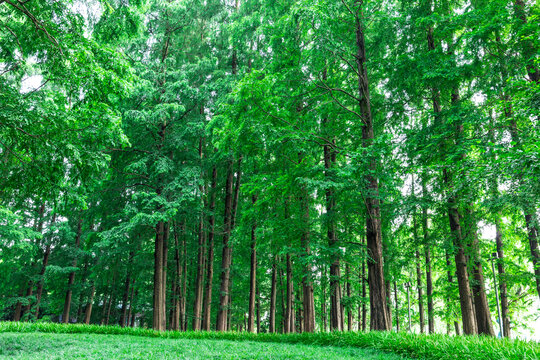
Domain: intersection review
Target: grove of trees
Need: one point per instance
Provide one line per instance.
(271, 166)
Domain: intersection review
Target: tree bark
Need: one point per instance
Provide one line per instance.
(158, 313)
(467, 312)
(125, 297)
(420, 293)
(199, 284)
(273, 295)
(221, 323)
(427, 256)
(289, 311)
(481, 306)
(502, 278)
(252, 274)
(308, 301)
(336, 314)
(89, 305)
(71, 277)
(210, 261)
(397, 306)
(348, 292)
(377, 291)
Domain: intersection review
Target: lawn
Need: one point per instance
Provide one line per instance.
(96, 346)
(20, 340)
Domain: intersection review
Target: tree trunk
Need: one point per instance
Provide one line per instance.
(289, 311)
(258, 306)
(199, 284)
(467, 312)
(364, 294)
(420, 293)
(348, 291)
(397, 306)
(481, 306)
(273, 293)
(308, 301)
(336, 314)
(125, 297)
(324, 310)
(176, 325)
(88, 311)
(502, 277)
(71, 277)
(377, 291)
(46, 255)
(19, 312)
(130, 311)
(427, 255)
(210, 261)
(221, 323)
(39, 291)
(252, 274)
(158, 313)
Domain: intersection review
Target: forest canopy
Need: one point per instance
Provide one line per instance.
(271, 166)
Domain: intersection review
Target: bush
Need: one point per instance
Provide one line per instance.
(429, 347)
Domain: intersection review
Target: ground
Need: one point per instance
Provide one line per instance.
(18, 346)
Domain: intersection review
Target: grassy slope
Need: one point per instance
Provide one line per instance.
(18, 346)
(432, 347)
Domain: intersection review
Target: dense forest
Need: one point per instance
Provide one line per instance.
(271, 166)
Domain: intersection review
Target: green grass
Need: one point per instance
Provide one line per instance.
(429, 347)
(97, 346)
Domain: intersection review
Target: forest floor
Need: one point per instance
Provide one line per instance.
(96, 346)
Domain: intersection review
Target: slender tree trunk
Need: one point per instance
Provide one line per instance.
(252, 274)
(308, 301)
(258, 309)
(210, 262)
(233, 223)
(289, 311)
(46, 255)
(39, 291)
(133, 316)
(427, 256)
(364, 294)
(88, 311)
(273, 293)
(18, 312)
(221, 323)
(467, 311)
(348, 291)
(420, 293)
(199, 285)
(178, 283)
(324, 310)
(71, 277)
(336, 314)
(18, 308)
(482, 312)
(397, 306)
(125, 298)
(380, 319)
(130, 311)
(163, 316)
(502, 278)
(158, 277)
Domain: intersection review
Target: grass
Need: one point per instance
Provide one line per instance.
(429, 347)
(97, 346)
